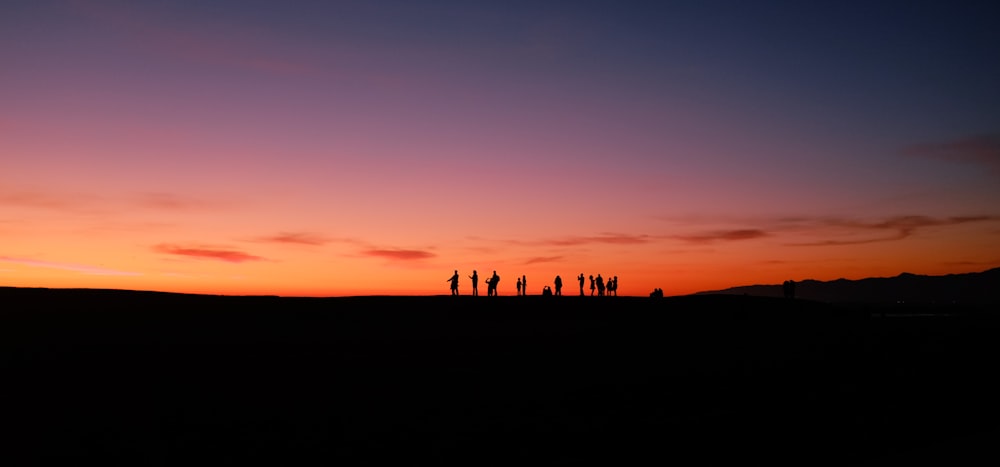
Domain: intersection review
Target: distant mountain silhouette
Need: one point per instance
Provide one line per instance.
(976, 287)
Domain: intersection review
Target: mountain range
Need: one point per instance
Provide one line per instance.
(974, 288)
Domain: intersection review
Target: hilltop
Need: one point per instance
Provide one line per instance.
(161, 379)
(970, 288)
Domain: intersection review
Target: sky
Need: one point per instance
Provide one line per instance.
(338, 148)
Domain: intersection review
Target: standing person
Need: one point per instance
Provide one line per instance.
(581, 279)
(592, 286)
(493, 283)
(600, 286)
(524, 284)
(475, 283)
(454, 283)
(614, 286)
(518, 286)
(558, 283)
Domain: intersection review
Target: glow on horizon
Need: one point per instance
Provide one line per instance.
(230, 149)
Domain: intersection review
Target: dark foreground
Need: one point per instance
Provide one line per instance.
(157, 379)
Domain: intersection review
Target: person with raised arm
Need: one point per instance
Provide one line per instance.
(454, 283)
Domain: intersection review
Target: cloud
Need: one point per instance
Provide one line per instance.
(607, 238)
(231, 256)
(722, 235)
(36, 200)
(831, 231)
(544, 259)
(80, 268)
(297, 238)
(894, 228)
(981, 150)
(169, 201)
(93, 204)
(399, 255)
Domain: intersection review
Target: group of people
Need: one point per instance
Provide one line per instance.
(491, 283)
(611, 287)
(603, 288)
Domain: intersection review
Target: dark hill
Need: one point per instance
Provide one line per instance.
(979, 287)
(144, 378)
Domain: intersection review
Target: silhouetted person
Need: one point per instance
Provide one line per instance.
(546, 291)
(581, 279)
(454, 283)
(592, 286)
(493, 281)
(518, 286)
(558, 283)
(656, 293)
(614, 286)
(475, 283)
(600, 286)
(524, 284)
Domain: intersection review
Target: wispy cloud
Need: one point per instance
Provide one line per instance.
(722, 235)
(80, 268)
(206, 252)
(170, 202)
(987, 263)
(544, 259)
(890, 229)
(981, 150)
(48, 201)
(398, 254)
(297, 238)
(87, 203)
(823, 230)
(606, 238)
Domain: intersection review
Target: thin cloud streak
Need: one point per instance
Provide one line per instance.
(36, 200)
(839, 231)
(981, 150)
(296, 238)
(398, 255)
(544, 259)
(606, 238)
(80, 268)
(900, 227)
(170, 202)
(200, 252)
(723, 235)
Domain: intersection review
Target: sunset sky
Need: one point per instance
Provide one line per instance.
(332, 148)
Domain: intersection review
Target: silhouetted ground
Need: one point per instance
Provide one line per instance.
(162, 379)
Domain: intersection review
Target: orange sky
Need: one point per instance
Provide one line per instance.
(357, 149)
